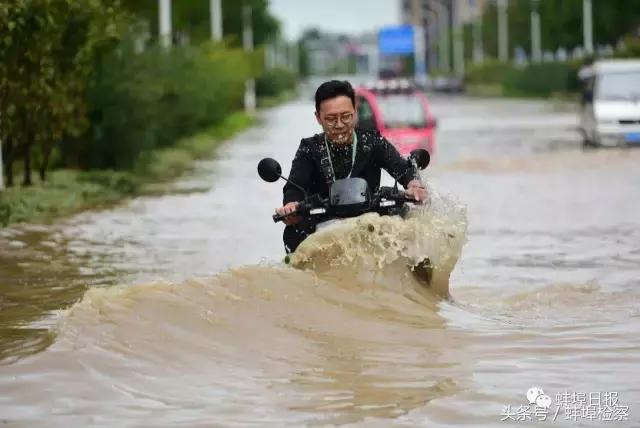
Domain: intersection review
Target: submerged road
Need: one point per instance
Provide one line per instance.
(546, 294)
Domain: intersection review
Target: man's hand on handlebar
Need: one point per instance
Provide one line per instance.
(417, 190)
(289, 208)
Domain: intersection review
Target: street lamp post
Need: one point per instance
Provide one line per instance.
(164, 7)
(432, 29)
(269, 56)
(478, 49)
(247, 42)
(216, 20)
(419, 53)
(444, 19)
(503, 31)
(536, 51)
(587, 26)
(458, 40)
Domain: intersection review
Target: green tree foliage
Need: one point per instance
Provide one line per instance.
(47, 48)
(77, 87)
(192, 18)
(538, 80)
(273, 82)
(630, 48)
(561, 22)
(490, 72)
(141, 101)
(541, 79)
(303, 59)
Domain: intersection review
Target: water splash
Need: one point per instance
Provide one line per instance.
(432, 235)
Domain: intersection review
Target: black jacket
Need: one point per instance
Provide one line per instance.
(373, 153)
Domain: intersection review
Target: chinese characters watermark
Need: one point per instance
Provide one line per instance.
(572, 406)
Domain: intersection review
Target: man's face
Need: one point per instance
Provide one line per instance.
(337, 118)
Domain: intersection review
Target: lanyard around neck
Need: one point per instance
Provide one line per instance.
(353, 154)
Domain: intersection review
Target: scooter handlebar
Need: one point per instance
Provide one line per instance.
(302, 209)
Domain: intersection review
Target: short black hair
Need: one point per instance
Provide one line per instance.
(333, 89)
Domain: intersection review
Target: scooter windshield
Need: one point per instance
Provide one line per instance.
(349, 191)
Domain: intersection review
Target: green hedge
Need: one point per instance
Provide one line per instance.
(141, 101)
(630, 48)
(274, 82)
(489, 72)
(541, 79)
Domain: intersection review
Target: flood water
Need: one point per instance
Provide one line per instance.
(177, 310)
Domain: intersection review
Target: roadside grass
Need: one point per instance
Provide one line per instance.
(69, 191)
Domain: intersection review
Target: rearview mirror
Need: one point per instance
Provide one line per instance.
(269, 170)
(421, 157)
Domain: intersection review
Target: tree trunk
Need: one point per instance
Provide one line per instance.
(43, 169)
(64, 151)
(27, 161)
(48, 148)
(8, 161)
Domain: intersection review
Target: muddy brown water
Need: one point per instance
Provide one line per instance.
(176, 310)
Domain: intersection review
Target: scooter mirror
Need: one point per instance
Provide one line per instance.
(269, 170)
(422, 158)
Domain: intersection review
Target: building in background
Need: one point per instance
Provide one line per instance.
(442, 22)
(341, 54)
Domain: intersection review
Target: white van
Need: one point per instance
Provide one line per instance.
(610, 113)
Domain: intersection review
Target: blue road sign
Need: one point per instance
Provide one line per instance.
(396, 40)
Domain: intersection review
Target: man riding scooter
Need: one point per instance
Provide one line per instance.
(341, 151)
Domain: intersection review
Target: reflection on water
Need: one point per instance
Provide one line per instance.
(207, 327)
(38, 276)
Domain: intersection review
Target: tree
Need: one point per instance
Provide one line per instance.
(191, 18)
(561, 22)
(46, 56)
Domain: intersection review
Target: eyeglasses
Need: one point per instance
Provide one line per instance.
(332, 121)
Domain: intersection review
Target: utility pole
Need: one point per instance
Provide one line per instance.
(419, 52)
(165, 22)
(269, 56)
(277, 52)
(445, 20)
(286, 55)
(536, 51)
(432, 30)
(503, 31)
(587, 26)
(216, 20)
(458, 40)
(478, 50)
(247, 42)
(476, 31)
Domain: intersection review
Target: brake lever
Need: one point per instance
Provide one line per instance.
(305, 208)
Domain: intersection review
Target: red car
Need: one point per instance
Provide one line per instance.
(400, 112)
